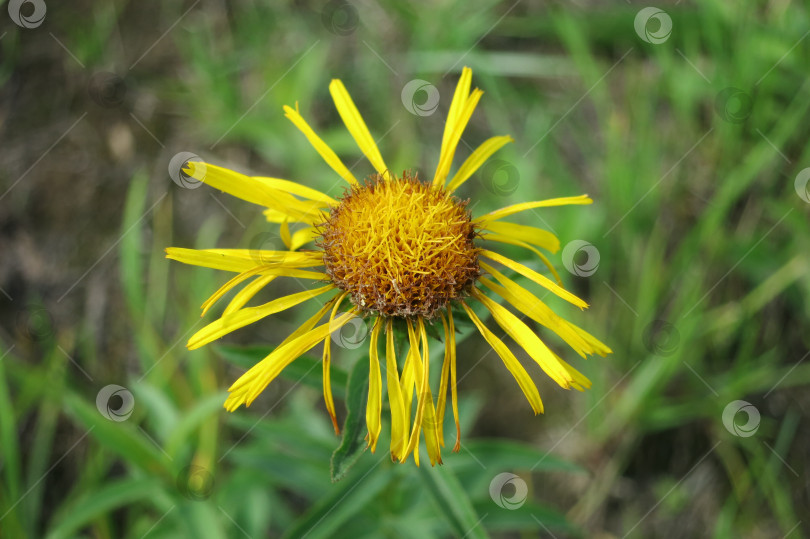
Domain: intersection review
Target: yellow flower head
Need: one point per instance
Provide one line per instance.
(396, 247)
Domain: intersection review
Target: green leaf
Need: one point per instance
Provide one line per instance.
(347, 499)
(353, 444)
(99, 502)
(527, 517)
(305, 370)
(452, 500)
(121, 437)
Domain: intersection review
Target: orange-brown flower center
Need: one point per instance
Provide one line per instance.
(400, 247)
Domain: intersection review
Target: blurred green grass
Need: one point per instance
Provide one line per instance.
(701, 287)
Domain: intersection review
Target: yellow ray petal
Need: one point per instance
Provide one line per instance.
(327, 362)
(580, 383)
(528, 304)
(227, 287)
(356, 126)
(241, 298)
(443, 382)
(453, 384)
(476, 159)
(523, 206)
(320, 146)
(526, 338)
(529, 234)
(297, 189)
(240, 260)
(542, 280)
(310, 323)
(399, 422)
(255, 380)
(512, 364)
(374, 407)
(252, 190)
(243, 317)
(510, 241)
(429, 421)
(446, 157)
(460, 97)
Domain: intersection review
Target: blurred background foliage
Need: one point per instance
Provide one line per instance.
(690, 148)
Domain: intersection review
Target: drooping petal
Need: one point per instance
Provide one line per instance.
(329, 401)
(255, 380)
(453, 383)
(320, 146)
(230, 322)
(542, 280)
(399, 421)
(527, 339)
(512, 364)
(476, 160)
(443, 382)
(356, 126)
(523, 206)
(374, 406)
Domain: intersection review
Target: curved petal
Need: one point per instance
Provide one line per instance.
(356, 126)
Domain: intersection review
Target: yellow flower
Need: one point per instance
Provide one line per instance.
(396, 247)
